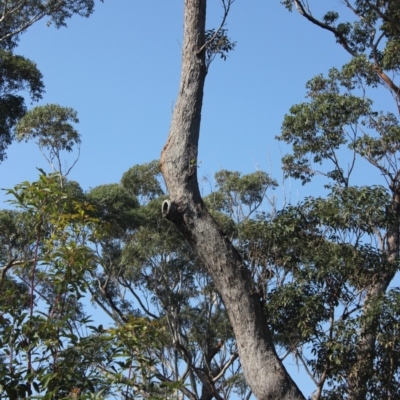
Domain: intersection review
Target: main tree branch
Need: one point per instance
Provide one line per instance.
(263, 370)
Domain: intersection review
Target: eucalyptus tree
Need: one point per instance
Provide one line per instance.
(338, 114)
(145, 269)
(17, 16)
(336, 133)
(52, 126)
(19, 75)
(262, 367)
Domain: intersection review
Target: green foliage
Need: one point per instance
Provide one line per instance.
(312, 297)
(320, 268)
(150, 271)
(387, 363)
(319, 128)
(48, 347)
(342, 251)
(332, 120)
(115, 206)
(51, 125)
(16, 17)
(16, 74)
(143, 180)
(239, 196)
(373, 32)
(219, 44)
(47, 256)
(166, 310)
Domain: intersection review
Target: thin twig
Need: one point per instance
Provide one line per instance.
(227, 6)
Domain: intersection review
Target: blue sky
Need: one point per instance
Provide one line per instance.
(120, 70)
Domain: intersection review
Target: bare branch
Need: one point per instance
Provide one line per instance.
(234, 356)
(385, 17)
(144, 308)
(9, 265)
(309, 373)
(341, 39)
(183, 389)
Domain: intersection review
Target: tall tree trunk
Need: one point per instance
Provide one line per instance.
(262, 368)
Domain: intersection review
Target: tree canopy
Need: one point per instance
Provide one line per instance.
(18, 75)
(206, 297)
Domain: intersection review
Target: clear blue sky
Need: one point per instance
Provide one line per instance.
(120, 70)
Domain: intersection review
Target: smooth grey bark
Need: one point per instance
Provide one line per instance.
(262, 367)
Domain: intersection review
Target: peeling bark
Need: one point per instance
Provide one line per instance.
(262, 368)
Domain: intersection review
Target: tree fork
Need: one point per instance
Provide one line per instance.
(263, 370)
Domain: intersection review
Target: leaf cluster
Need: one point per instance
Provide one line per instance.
(18, 16)
(16, 74)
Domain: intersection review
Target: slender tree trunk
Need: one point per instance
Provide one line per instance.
(262, 368)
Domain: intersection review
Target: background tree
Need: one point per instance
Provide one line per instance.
(146, 269)
(172, 331)
(18, 74)
(337, 116)
(52, 126)
(17, 16)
